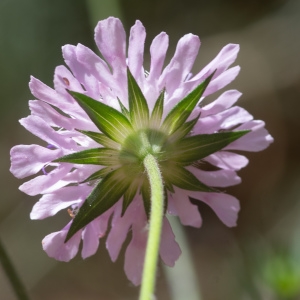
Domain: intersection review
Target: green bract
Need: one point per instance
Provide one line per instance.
(126, 139)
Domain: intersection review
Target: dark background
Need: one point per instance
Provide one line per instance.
(260, 258)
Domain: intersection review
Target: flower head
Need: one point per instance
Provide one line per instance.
(101, 120)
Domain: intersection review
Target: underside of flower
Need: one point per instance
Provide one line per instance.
(106, 116)
(128, 137)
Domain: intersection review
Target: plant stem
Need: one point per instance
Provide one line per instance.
(155, 227)
(12, 275)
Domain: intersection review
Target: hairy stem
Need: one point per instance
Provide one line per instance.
(155, 227)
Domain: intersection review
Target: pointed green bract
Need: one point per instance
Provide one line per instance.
(138, 107)
(180, 113)
(110, 121)
(101, 139)
(100, 174)
(185, 129)
(124, 110)
(191, 149)
(182, 178)
(104, 196)
(157, 111)
(146, 194)
(95, 156)
(129, 195)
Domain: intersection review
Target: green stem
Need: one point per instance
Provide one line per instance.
(155, 227)
(12, 275)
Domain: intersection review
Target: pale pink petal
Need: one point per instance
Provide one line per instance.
(227, 160)
(41, 129)
(50, 115)
(225, 206)
(42, 183)
(219, 178)
(169, 249)
(136, 51)
(158, 51)
(90, 237)
(256, 140)
(27, 160)
(181, 63)
(226, 100)
(188, 213)
(221, 62)
(55, 246)
(52, 203)
(135, 252)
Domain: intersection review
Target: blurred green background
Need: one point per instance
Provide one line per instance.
(260, 258)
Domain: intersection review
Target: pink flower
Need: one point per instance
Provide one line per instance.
(66, 126)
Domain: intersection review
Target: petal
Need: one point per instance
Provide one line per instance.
(158, 51)
(27, 160)
(135, 252)
(110, 38)
(120, 227)
(50, 115)
(41, 129)
(227, 160)
(181, 63)
(50, 204)
(188, 213)
(256, 140)
(41, 184)
(226, 100)
(225, 120)
(220, 178)
(90, 237)
(136, 51)
(169, 249)
(225, 206)
(221, 62)
(55, 246)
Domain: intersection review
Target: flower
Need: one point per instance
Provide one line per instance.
(100, 120)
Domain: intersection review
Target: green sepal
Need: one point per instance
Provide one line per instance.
(157, 111)
(100, 174)
(185, 129)
(146, 194)
(95, 156)
(124, 110)
(109, 121)
(129, 195)
(106, 193)
(193, 148)
(101, 139)
(180, 112)
(182, 178)
(138, 107)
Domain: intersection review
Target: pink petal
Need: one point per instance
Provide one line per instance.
(181, 63)
(227, 160)
(50, 115)
(41, 129)
(169, 249)
(50, 204)
(220, 178)
(90, 237)
(135, 252)
(158, 51)
(27, 160)
(225, 206)
(136, 51)
(55, 246)
(41, 184)
(221, 62)
(188, 213)
(226, 100)
(256, 140)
